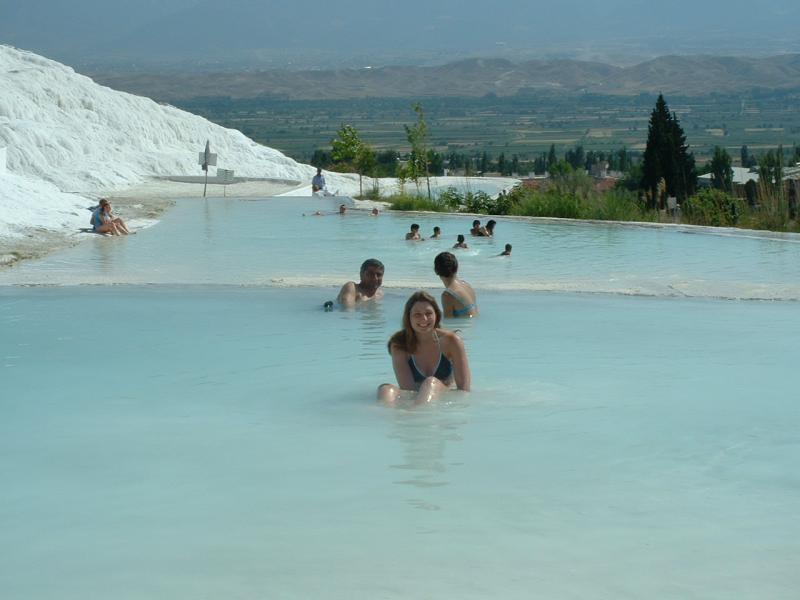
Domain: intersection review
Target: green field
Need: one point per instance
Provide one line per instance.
(525, 125)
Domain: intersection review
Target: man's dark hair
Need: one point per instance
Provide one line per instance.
(414, 226)
(371, 262)
(475, 223)
(445, 264)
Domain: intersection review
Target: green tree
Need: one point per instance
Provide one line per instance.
(501, 163)
(346, 145)
(770, 171)
(576, 157)
(667, 156)
(721, 170)
(365, 163)
(387, 163)
(552, 159)
(417, 136)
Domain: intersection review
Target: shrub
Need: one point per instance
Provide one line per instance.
(412, 202)
(712, 207)
(551, 203)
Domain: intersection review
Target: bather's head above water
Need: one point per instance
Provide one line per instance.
(371, 274)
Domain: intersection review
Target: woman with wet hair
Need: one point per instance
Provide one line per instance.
(458, 298)
(426, 359)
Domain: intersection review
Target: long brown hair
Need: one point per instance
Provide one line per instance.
(406, 339)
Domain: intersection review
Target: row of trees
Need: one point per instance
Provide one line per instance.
(667, 167)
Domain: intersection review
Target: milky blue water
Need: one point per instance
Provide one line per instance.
(192, 439)
(270, 242)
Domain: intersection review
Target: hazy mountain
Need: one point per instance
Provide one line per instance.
(263, 31)
(692, 75)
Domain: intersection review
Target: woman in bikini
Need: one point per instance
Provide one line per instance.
(426, 359)
(458, 298)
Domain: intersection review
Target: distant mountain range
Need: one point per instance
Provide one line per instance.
(675, 75)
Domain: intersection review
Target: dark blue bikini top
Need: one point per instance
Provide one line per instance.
(443, 372)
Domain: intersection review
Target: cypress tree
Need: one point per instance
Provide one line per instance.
(667, 156)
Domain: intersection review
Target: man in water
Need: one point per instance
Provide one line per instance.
(366, 289)
(318, 181)
(507, 251)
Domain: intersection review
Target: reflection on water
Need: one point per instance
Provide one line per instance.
(373, 324)
(105, 251)
(425, 433)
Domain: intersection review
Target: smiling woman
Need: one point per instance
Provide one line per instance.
(425, 358)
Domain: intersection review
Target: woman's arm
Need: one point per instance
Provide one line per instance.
(457, 354)
(402, 371)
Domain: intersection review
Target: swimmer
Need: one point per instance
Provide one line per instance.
(476, 227)
(507, 251)
(488, 231)
(374, 212)
(460, 243)
(368, 288)
(458, 298)
(414, 233)
(437, 233)
(342, 209)
(426, 359)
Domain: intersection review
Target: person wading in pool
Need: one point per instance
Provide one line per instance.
(426, 359)
(458, 298)
(368, 288)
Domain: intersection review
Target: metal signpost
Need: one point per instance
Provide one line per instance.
(225, 176)
(207, 159)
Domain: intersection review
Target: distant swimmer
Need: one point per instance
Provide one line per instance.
(414, 233)
(476, 227)
(507, 251)
(437, 233)
(460, 243)
(318, 181)
(458, 298)
(342, 209)
(368, 288)
(488, 231)
(103, 221)
(426, 359)
(374, 212)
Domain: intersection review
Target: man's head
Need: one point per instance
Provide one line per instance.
(371, 274)
(476, 224)
(508, 248)
(436, 231)
(319, 170)
(342, 209)
(414, 228)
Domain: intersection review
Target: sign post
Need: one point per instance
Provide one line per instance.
(207, 159)
(225, 176)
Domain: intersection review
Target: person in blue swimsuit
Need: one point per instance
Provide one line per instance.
(458, 298)
(426, 359)
(103, 221)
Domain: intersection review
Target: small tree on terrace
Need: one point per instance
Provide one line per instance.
(346, 145)
(365, 164)
(417, 135)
